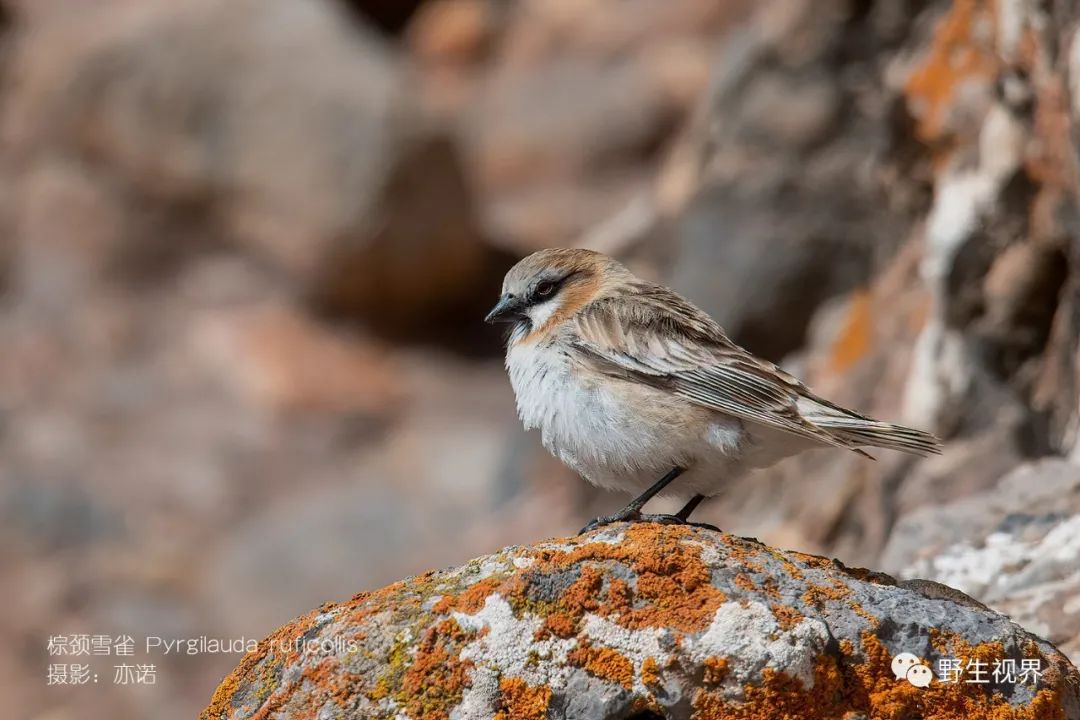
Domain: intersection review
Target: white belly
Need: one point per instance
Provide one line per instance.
(619, 434)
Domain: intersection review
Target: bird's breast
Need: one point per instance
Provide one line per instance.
(549, 396)
(603, 427)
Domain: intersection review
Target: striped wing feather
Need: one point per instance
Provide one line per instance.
(655, 336)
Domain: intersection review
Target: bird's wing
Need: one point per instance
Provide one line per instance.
(657, 337)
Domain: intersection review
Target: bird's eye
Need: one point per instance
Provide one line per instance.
(545, 289)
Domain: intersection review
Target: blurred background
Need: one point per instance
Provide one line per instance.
(246, 246)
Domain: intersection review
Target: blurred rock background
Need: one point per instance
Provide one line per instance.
(245, 248)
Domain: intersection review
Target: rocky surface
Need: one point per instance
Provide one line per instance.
(954, 307)
(643, 621)
(175, 121)
(1016, 547)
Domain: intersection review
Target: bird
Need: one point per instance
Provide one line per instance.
(637, 389)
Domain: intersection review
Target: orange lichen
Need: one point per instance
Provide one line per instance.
(789, 567)
(716, 669)
(743, 581)
(778, 696)
(953, 645)
(650, 671)
(562, 615)
(436, 678)
(817, 595)
(269, 650)
(891, 699)
(852, 343)
(989, 653)
(471, 600)
(771, 588)
(584, 594)
(520, 701)
(559, 624)
(647, 704)
(333, 681)
(836, 591)
(962, 50)
(844, 686)
(221, 701)
(786, 617)
(740, 554)
(653, 577)
(620, 597)
(604, 663)
(674, 585)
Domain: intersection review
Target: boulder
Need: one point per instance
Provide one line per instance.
(899, 228)
(282, 129)
(1015, 547)
(647, 621)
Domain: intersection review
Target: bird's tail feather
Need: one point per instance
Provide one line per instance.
(873, 433)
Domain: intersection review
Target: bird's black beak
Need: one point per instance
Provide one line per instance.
(508, 309)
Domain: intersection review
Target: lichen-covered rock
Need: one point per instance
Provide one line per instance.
(645, 621)
(1015, 547)
(883, 197)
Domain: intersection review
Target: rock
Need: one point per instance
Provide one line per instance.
(537, 117)
(643, 621)
(998, 231)
(772, 193)
(913, 254)
(453, 32)
(284, 362)
(284, 128)
(1015, 547)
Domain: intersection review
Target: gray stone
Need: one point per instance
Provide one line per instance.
(709, 625)
(1015, 547)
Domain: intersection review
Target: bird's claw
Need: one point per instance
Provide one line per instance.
(624, 515)
(636, 516)
(704, 526)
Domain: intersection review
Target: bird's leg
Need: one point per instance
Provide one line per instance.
(632, 512)
(688, 508)
(639, 502)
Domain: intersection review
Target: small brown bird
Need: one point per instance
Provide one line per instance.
(633, 386)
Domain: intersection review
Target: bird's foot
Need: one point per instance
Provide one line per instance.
(636, 516)
(704, 526)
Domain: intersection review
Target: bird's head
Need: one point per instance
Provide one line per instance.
(551, 285)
